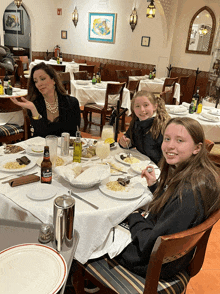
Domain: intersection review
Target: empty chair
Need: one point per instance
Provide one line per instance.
(168, 90)
(22, 77)
(111, 277)
(106, 110)
(122, 75)
(136, 72)
(133, 87)
(65, 79)
(89, 68)
(209, 145)
(80, 75)
(183, 80)
(59, 67)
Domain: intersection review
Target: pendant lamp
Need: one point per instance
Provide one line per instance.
(151, 9)
(133, 19)
(18, 3)
(75, 16)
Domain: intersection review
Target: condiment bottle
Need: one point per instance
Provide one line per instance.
(199, 108)
(9, 88)
(196, 97)
(46, 167)
(77, 152)
(5, 85)
(192, 106)
(94, 79)
(58, 58)
(61, 58)
(1, 88)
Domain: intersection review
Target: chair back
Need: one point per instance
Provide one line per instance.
(80, 75)
(89, 68)
(20, 72)
(169, 82)
(168, 90)
(209, 145)
(25, 62)
(183, 80)
(122, 76)
(65, 79)
(114, 89)
(59, 67)
(171, 247)
(136, 72)
(133, 87)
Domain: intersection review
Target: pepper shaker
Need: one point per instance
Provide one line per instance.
(45, 235)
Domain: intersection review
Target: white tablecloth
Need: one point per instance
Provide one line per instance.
(93, 226)
(156, 86)
(96, 94)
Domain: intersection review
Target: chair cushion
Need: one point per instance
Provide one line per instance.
(114, 276)
(8, 130)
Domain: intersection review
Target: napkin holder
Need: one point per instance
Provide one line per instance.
(23, 180)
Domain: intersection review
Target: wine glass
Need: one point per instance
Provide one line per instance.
(107, 132)
(102, 150)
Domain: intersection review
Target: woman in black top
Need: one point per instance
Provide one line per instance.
(187, 192)
(50, 109)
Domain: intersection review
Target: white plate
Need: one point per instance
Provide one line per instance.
(179, 113)
(214, 112)
(84, 142)
(91, 158)
(42, 192)
(138, 167)
(37, 150)
(12, 158)
(2, 151)
(134, 190)
(66, 159)
(32, 268)
(206, 119)
(139, 156)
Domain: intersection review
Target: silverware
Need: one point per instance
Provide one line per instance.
(80, 198)
(22, 174)
(129, 154)
(115, 168)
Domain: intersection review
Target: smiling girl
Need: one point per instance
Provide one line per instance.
(145, 132)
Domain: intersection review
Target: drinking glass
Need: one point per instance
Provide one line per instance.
(102, 150)
(52, 142)
(107, 132)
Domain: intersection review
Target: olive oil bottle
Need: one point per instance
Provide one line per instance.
(77, 152)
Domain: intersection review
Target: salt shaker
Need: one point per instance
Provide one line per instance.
(45, 234)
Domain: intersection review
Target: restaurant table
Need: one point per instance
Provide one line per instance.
(95, 228)
(19, 232)
(210, 128)
(13, 117)
(155, 85)
(87, 93)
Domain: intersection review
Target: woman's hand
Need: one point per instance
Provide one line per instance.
(124, 142)
(26, 104)
(149, 176)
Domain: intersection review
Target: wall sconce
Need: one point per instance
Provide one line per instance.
(151, 9)
(133, 19)
(75, 16)
(18, 3)
(203, 30)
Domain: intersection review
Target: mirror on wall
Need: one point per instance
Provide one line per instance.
(201, 32)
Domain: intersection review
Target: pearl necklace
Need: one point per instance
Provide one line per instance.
(53, 108)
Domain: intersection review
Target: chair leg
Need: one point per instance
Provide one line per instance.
(123, 123)
(85, 117)
(78, 280)
(103, 118)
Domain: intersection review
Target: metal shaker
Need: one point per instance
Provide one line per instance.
(63, 221)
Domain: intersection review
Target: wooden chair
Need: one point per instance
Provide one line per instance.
(89, 68)
(65, 79)
(209, 145)
(183, 80)
(59, 67)
(133, 87)
(122, 76)
(106, 110)
(136, 72)
(25, 63)
(80, 75)
(11, 77)
(12, 133)
(111, 277)
(168, 90)
(22, 77)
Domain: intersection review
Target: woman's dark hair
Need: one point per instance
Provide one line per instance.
(33, 92)
(198, 172)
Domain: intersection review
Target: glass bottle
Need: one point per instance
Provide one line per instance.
(192, 106)
(196, 97)
(94, 79)
(61, 58)
(150, 75)
(9, 88)
(46, 167)
(77, 152)
(199, 108)
(1, 88)
(58, 58)
(5, 84)
(97, 78)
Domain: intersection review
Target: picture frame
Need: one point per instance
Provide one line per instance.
(13, 22)
(145, 41)
(63, 34)
(102, 27)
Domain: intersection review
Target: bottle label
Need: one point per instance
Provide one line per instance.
(46, 175)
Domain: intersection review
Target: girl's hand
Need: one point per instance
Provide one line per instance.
(149, 176)
(125, 142)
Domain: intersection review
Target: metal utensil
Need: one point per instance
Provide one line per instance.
(129, 154)
(22, 174)
(80, 198)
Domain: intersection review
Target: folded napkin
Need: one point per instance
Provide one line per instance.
(210, 117)
(185, 104)
(178, 109)
(214, 111)
(23, 180)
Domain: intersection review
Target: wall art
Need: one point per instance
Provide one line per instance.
(13, 22)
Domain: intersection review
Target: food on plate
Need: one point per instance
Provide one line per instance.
(23, 160)
(115, 186)
(131, 160)
(37, 148)
(13, 165)
(89, 152)
(71, 143)
(12, 149)
(123, 181)
(114, 168)
(110, 141)
(59, 161)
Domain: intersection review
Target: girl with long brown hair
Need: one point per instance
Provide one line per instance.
(149, 117)
(187, 192)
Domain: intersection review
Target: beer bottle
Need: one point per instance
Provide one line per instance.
(46, 167)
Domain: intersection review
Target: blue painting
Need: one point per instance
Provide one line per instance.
(102, 27)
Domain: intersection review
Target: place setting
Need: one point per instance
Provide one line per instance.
(208, 117)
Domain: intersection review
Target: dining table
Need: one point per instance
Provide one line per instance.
(155, 85)
(86, 93)
(97, 228)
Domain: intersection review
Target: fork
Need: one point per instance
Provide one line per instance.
(129, 153)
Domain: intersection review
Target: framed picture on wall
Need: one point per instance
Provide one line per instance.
(102, 27)
(145, 41)
(63, 34)
(13, 22)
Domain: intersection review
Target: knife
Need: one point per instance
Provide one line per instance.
(80, 198)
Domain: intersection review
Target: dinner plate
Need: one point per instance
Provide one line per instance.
(133, 190)
(138, 167)
(206, 119)
(42, 192)
(66, 160)
(84, 142)
(37, 150)
(32, 268)
(12, 158)
(214, 112)
(133, 154)
(2, 151)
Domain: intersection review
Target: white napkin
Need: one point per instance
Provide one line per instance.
(185, 104)
(214, 111)
(177, 109)
(210, 117)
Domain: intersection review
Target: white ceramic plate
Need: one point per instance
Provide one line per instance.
(133, 190)
(32, 268)
(42, 192)
(206, 119)
(91, 158)
(82, 82)
(84, 142)
(12, 158)
(138, 167)
(214, 112)
(37, 150)
(2, 151)
(133, 154)
(66, 159)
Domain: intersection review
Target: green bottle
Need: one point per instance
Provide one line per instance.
(94, 79)
(77, 152)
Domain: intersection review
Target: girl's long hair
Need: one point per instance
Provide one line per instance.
(198, 172)
(161, 114)
(33, 92)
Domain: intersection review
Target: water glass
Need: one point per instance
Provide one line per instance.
(52, 142)
(107, 132)
(102, 150)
